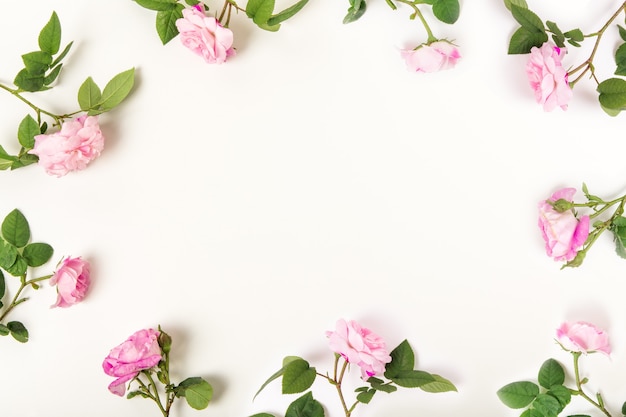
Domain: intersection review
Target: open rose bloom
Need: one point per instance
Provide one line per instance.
(205, 36)
(563, 233)
(79, 142)
(359, 346)
(72, 280)
(140, 351)
(583, 337)
(547, 77)
(433, 57)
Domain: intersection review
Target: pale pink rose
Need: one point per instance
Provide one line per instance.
(547, 76)
(79, 142)
(72, 280)
(433, 57)
(140, 351)
(583, 337)
(563, 233)
(359, 346)
(205, 36)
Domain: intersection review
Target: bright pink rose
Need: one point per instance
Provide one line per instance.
(72, 281)
(433, 57)
(563, 233)
(583, 337)
(359, 346)
(205, 36)
(79, 142)
(140, 351)
(547, 76)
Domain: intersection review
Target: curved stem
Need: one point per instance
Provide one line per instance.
(588, 64)
(16, 298)
(418, 13)
(57, 118)
(580, 389)
(156, 396)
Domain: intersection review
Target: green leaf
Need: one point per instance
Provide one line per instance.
(133, 394)
(366, 396)
(52, 75)
(523, 40)
(37, 63)
(29, 82)
(379, 385)
(159, 5)
(612, 93)
(520, 3)
(8, 255)
(196, 391)
(27, 131)
(50, 35)
(89, 95)
(440, 384)
(18, 331)
(447, 10)
(575, 35)
(2, 285)
(412, 379)
(15, 229)
(287, 13)
(24, 160)
(305, 406)
(298, 376)
(260, 11)
(562, 394)
(4, 330)
(166, 23)
(558, 37)
(19, 267)
(37, 254)
(117, 89)
(527, 19)
(286, 361)
(551, 373)
(610, 112)
(356, 10)
(402, 359)
(518, 394)
(532, 413)
(547, 405)
(62, 55)
(620, 60)
(622, 32)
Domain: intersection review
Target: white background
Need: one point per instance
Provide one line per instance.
(247, 206)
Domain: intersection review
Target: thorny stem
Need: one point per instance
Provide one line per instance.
(587, 65)
(418, 13)
(16, 299)
(580, 391)
(58, 119)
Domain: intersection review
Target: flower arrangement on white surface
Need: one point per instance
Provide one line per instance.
(71, 278)
(569, 235)
(551, 82)
(354, 345)
(76, 139)
(550, 396)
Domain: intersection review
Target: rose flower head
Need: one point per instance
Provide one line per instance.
(583, 337)
(431, 57)
(79, 142)
(563, 232)
(72, 280)
(140, 351)
(205, 36)
(359, 346)
(547, 77)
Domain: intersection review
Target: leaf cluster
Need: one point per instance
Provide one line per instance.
(298, 376)
(547, 399)
(613, 90)
(16, 255)
(41, 67)
(447, 11)
(196, 391)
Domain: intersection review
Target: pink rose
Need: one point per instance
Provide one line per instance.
(205, 36)
(72, 281)
(140, 351)
(563, 233)
(433, 57)
(583, 337)
(547, 76)
(359, 346)
(79, 142)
